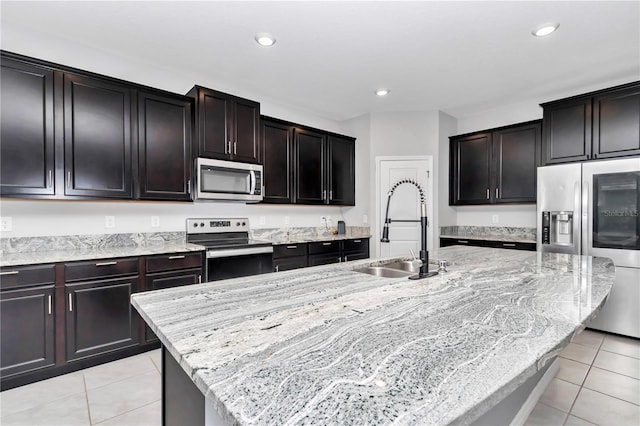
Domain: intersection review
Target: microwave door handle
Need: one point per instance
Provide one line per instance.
(252, 185)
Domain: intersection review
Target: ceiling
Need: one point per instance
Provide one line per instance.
(458, 57)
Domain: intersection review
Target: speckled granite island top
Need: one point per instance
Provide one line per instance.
(328, 345)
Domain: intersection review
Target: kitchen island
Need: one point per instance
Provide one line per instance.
(329, 345)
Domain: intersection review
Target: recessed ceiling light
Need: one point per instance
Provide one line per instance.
(545, 30)
(382, 92)
(265, 39)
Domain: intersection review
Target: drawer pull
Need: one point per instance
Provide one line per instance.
(326, 244)
(106, 263)
(49, 303)
(292, 247)
(10, 273)
(277, 268)
(70, 302)
(175, 257)
(357, 241)
(508, 245)
(199, 279)
(345, 259)
(462, 241)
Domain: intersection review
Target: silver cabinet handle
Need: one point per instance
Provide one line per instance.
(106, 263)
(496, 192)
(487, 193)
(339, 260)
(49, 303)
(227, 144)
(70, 303)
(331, 195)
(326, 244)
(324, 194)
(199, 279)
(508, 245)
(68, 179)
(234, 147)
(175, 257)
(346, 259)
(462, 241)
(357, 241)
(292, 247)
(277, 268)
(10, 273)
(189, 186)
(50, 177)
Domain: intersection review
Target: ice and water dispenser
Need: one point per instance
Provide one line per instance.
(557, 228)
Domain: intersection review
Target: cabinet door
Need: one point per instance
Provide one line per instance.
(355, 249)
(169, 280)
(516, 153)
(164, 147)
(324, 259)
(246, 128)
(276, 159)
(341, 171)
(309, 167)
(215, 115)
(616, 123)
(469, 181)
(26, 129)
(27, 330)
(567, 131)
(289, 263)
(97, 138)
(100, 317)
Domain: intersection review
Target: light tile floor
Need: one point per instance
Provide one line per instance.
(598, 383)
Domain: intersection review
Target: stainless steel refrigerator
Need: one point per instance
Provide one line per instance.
(592, 209)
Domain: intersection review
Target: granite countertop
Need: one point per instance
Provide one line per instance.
(328, 345)
(293, 239)
(496, 237)
(53, 256)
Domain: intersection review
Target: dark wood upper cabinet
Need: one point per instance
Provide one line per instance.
(598, 125)
(309, 167)
(616, 123)
(495, 166)
(516, 156)
(164, 147)
(341, 176)
(97, 138)
(303, 165)
(27, 129)
(227, 126)
(469, 172)
(277, 146)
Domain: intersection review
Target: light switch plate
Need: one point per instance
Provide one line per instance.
(263, 220)
(287, 220)
(495, 218)
(155, 221)
(365, 219)
(109, 221)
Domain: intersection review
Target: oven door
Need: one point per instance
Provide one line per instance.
(234, 263)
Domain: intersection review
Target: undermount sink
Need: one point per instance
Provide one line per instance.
(404, 265)
(380, 271)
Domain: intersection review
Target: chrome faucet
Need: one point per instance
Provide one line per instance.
(424, 253)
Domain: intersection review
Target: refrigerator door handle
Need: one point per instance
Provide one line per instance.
(586, 238)
(577, 220)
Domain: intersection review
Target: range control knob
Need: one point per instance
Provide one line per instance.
(237, 223)
(244, 223)
(202, 224)
(195, 225)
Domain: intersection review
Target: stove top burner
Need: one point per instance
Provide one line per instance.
(222, 234)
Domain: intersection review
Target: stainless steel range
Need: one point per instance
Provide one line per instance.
(230, 251)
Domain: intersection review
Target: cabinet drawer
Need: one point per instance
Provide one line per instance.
(324, 247)
(175, 261)
(289, 263)
(26, 276)
(358, 244)
(287, 250)
(100, 268)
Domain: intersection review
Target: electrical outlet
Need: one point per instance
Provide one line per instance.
(263, 220)
(495, 218)
(287, 220)
(323, 220)
(109, 221)
(365, 219)
(155, 221)
(6, 224)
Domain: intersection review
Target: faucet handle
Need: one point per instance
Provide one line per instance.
(413, 254)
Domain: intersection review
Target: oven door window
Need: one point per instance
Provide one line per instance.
(222, 180)
(616, 200)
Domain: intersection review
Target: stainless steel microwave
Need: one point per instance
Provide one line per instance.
(228, 181)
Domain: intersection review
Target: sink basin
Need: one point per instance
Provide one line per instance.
(379, 271)
(404, 265)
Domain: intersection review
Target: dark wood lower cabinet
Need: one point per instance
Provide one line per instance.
(446, 242)
(100, 317)
(27, 330)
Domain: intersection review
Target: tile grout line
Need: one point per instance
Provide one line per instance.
(126, 412)
(86, 398)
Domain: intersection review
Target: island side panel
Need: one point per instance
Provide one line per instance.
(182, 401)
